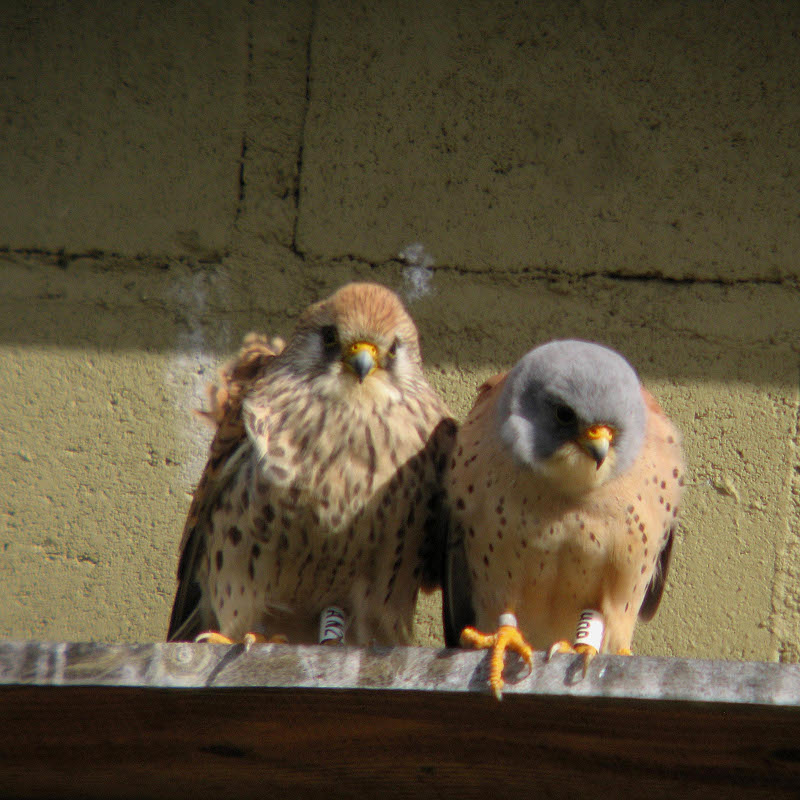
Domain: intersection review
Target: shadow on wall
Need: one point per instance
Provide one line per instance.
(668, 329)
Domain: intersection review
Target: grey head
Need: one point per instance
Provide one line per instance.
(559, 393)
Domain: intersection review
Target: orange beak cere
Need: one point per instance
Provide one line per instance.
(596, 441)
(362, 358)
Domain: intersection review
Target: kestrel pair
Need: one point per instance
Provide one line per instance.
(322, 492)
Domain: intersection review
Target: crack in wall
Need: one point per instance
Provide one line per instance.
(63, 259)
(549, 275)
(553, 275)
(242, 159)
(295, 248)
(243, 149)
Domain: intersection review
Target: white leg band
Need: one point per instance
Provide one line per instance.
(590, 629)
(331, 625)
(508, 619)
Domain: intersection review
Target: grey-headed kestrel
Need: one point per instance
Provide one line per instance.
(320, 495)
(563, 491)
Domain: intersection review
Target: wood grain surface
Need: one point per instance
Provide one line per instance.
(86, 720)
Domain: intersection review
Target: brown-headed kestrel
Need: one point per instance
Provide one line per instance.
(563, 490)
(317, 509)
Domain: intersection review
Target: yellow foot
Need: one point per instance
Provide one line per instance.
(507, 637)
(248, 640)
(586, 650)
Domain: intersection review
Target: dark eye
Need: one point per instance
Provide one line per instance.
(565, 415)
(393, 348)
(330, 338)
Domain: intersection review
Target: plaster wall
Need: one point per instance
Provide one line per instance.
(172, 180)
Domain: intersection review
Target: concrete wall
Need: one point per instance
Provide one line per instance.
(171, 179)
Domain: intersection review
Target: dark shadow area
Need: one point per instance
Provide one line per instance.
(468, 321)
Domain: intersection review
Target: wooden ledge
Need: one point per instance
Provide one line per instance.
(190, 666)
(178, 720)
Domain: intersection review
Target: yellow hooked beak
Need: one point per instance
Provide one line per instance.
(596, 441)
(362, 358)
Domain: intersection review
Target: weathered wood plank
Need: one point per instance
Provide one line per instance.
(180, 720)
(402, 668)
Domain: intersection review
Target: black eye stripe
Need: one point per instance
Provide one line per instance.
(329, 336)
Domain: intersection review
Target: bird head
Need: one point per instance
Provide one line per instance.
(573, 412)
(359, 342)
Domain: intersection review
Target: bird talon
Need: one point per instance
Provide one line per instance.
(561, 646)
(586, 651)
(507, 637)
(213, 637)
(248, 640)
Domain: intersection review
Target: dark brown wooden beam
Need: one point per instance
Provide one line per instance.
(180, 720)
